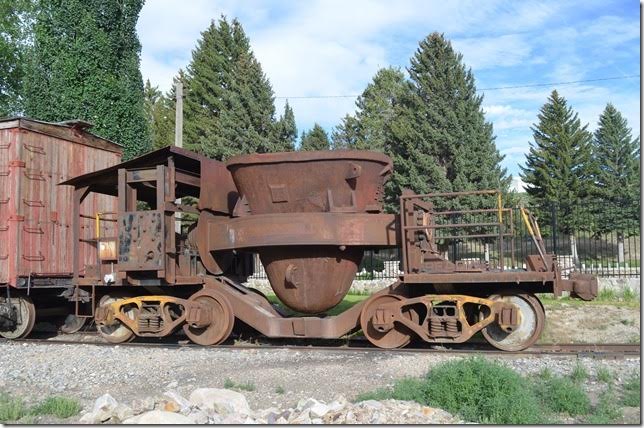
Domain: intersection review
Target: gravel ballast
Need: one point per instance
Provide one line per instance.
(279, 377)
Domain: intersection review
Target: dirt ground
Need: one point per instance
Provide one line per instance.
(566, 323)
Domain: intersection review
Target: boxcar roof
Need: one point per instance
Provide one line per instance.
(71, 130)
(106, 180)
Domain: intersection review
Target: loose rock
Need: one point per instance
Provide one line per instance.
(222, 401)
(158, 417)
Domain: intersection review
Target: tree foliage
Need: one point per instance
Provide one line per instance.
(438, 137)
(15, 32)
(375, 108)
(616, 158)
(285, 131)
(159, 113)
(558, 165)
(85, 65)
(229, 101)
(315, 139)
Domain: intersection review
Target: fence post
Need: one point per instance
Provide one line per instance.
(553, 225)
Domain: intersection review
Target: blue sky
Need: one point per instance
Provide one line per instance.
(328, 47)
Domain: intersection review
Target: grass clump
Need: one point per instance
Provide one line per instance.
(632, 393)
(14, 409)
(11, 409)
(604, 375)
(559, 395)
(248, 386)
(60, 407)
(607, 411)
(579, 373)
(279, 390)
(474, 388)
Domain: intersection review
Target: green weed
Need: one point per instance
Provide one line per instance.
(607, 411)
(60, 407)
(629, 295)
(546, 373)
(579, 373)
(248, 386)
(562, 395)
(604, 375)
(474, 388)
(11, 408)
(279, 390)
(632, 393)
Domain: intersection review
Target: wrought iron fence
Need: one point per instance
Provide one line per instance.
(605, 242)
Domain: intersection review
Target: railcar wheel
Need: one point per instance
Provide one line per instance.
(532, 320)
(221, 316)
(396, 337)
(117, 332)
(19, 317)
(72, 324)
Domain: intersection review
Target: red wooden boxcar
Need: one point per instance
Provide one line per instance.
(36, 213)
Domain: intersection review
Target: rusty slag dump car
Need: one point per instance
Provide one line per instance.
(309, 216)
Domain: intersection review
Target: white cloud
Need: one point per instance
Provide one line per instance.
(517, 184)
(507, 117)
(491, 52)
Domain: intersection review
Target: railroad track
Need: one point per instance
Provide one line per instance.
(610, 351)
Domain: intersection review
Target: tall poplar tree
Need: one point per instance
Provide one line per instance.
(15, 31)
(228, 106)
(85, 65)
(558, 170)
(616, 158)
(315, 139)
(439, 138)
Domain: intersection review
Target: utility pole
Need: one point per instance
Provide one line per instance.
(178, 118)
(178, 139)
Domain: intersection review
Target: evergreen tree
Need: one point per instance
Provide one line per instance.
(315, 139)
(345, 135)
(616, 156)
(159, 112)
(85, 65)
(558, 166)
(229, 101)
(374, 110)
(15, 30)
(438, 137)
(285, 131)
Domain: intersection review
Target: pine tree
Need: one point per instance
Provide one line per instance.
(616, 157)
(85, 65)
(558, 166)
(315, 139)
(285, 131)
(439, 138)
(229, 101)
(374, 110)
(159, 113)
(345, 135)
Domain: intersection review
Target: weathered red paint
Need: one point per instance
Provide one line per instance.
(36, 213)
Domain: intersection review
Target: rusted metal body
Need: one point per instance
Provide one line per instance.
(309, 216)
(319, 210)
(36, 246)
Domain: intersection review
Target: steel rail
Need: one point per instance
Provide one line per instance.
(604, 350)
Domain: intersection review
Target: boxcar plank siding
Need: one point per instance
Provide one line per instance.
(35, 212)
